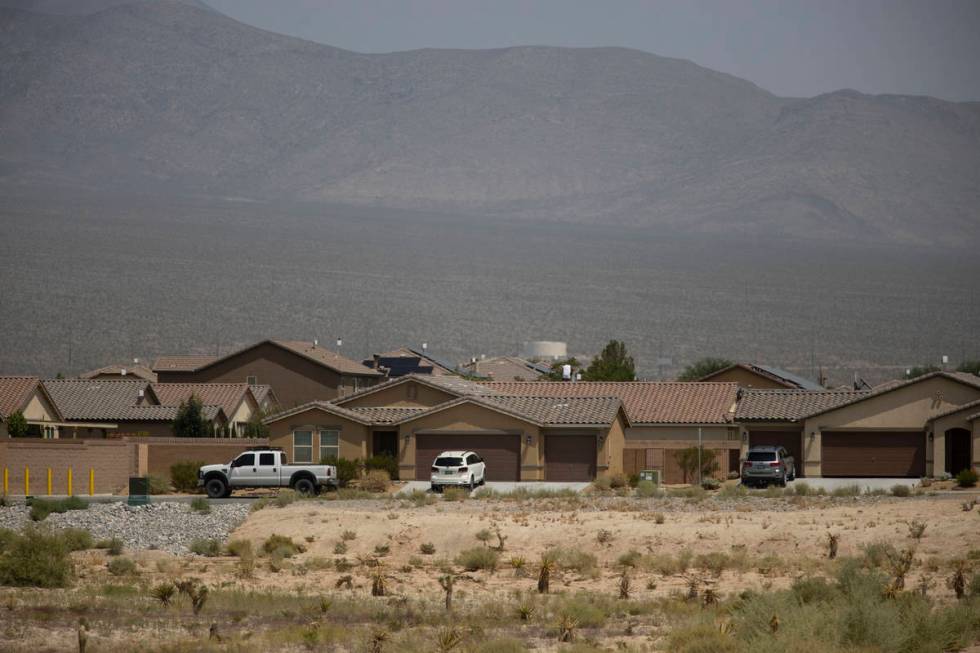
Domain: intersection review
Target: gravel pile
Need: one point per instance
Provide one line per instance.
(166, 526)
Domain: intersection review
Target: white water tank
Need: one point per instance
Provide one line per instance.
(546, 349)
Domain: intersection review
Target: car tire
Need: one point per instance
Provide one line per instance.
(216, 488)
(305, 486)
(792, 476)
(472, 484)
(782, 480)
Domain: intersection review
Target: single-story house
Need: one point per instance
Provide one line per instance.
(135, 371)
(417, 417)
(100, 408)
(754, 375)
(297, 371)
(922, 427)
(26, 395)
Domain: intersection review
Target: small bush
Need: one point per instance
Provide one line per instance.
(385, 463)
(802, 489)
(36, 559)
(183, 475)
(602, 484)
(282, 545)
(900, 490)
(479, 558)
(240, 548)
(455, 494)
(41, 508)
(113, 547)
(381, 550)
(427, 548)
(158, 484)
(348, 535)
(376, 480)
(347, 470)
(647, 489)
(618, 480)
(286, 497)
(966, 478)
(201, 505)
(121, 567)
(76, 539)
(209, 548)
(710, 483)
(340, 548)
(576, 560)
(847, 491)
(634, 480)
(813, 590)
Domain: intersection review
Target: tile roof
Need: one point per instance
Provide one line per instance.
(227, 395)
(961, 377)
(187, 363)
(646, 402)
(553, 411)
(135, 371)
(111, 400)
(387, 415)
(455, 385)
(263, 393)
(955, 409)
(325, 357)
(505, 368)
(789, 405)
(14, 393)
(776, 374)
(325, 406)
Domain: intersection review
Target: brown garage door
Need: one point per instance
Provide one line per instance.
(789, 440)
(569, 458)
(502, 453)
(865, 453)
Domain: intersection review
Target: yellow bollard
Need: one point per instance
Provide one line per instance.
(27, 481)
(91, 481)
(6, 482)
(49, 481)
(69, 482)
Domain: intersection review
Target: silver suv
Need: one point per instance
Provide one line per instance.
(768, 464)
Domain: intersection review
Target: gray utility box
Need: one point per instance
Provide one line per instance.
(139, 490)
(650, 475)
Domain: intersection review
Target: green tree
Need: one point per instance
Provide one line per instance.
(254, 428)
(687, 459)
(555, 373)
(16, 425)
(613, 364)
(971, 367)
(702, 368)
(190, 421)
(921, 370)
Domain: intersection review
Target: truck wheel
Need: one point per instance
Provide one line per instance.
(305, 487)
(216, 488)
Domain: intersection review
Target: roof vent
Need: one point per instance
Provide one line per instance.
(136, 361)
(315, 342)
(122, 372)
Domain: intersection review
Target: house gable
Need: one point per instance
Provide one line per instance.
(407, 393)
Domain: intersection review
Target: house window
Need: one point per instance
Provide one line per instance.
(329, 444)
(251, 380)
(303, 446)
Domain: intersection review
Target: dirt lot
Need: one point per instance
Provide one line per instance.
(687, 563)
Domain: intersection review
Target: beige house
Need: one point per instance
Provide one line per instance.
(922, 427)
(26, 395)
(753, 375)
(241, 402)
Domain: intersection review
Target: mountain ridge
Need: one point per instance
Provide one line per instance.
(167, 95)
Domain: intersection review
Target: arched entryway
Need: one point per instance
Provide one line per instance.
(958, 450)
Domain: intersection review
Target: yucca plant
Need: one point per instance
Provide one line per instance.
(832, 541)
(163, 593)
(448, 639)
(624, 584)
(379, 581)
(446, 582)
(566, 627)
(549, 565)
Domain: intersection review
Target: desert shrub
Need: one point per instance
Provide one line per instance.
(478, 558)
(382, 549)
(900, 490)
(201, 505)
(973, 589)
(427, 548)
(802, 489)
(386, 463)
(710, 483)
(340, 548)
(348, 535)
(282, 545)
(347, 470)
(76, 539)
(634, 480)
(376, 480)
(700, 637)
(240, 548)
(36, 559)
(183, 475)
(158, 484)
(113, 546)
(587, 610)
(966, 478)
(418, 498)
(286, 497)
(647, 489)
(734, 491)
(455, 494)
(716, 562)
(847, 491)
(877, 554)
(618, 480)
(813, 590)
(203, 547)
(121, 566)
(576, 560)
(41, 508)
(629, 559)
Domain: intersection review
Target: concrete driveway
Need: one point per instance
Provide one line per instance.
(504, 487)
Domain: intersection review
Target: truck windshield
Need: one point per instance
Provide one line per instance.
(449, 462)
(762, 456)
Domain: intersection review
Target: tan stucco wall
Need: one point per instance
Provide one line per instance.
(939, 427)
(723, 437)
(399, 396)
(353, 436)
(905, 409)
(464, 418)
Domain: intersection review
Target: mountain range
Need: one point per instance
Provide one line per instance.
(164, 96)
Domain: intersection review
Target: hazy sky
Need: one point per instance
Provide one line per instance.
(795, 48)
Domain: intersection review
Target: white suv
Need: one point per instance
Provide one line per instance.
(458, 468)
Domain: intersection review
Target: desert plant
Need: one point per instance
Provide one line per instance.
(379, 581)
(455, 494)
(479, 558)
(801, 489)
(158, 484)
(566, 627)
(624, 584)
(201, 505)
(121, 566)
(688, 459)
(427, 548)
(548, 566)
(916, 529)
(957, 582)
(901, 490)
(382, 549)
(446, 582)
(384, 463)
(183, 475)
(113, 546)
(196, 591)
(448, 639)
(282, 545)
(76, 539)
(347, 470)
(239, 548)
(376, 480)
(526, 610)
(832, 541)
(647, 489)
(36, 559)
(518, 564)
(604, 536)
(41, 508)
(899, 565)
(164, 593)
(209, 548)
(484, 535)
(348, 536)
(659, 518)
(345, 581)
(340, 548)
(966, 478)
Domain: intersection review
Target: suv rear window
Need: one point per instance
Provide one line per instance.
(762, 456)
(449, 462)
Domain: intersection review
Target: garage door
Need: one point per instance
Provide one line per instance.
(790, 440)
(502, 453)
(861, 453)
(569, 458)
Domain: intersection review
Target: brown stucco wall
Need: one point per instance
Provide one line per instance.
(163, 452)
(293, 378)
(354, 437)
(401, 395)
(660, 443)
(747, 379)
(471, 418)
(114, 461)
(905, 409)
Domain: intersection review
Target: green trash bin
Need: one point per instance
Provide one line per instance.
(139, 490)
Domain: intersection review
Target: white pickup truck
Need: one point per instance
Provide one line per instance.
(264, 467)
